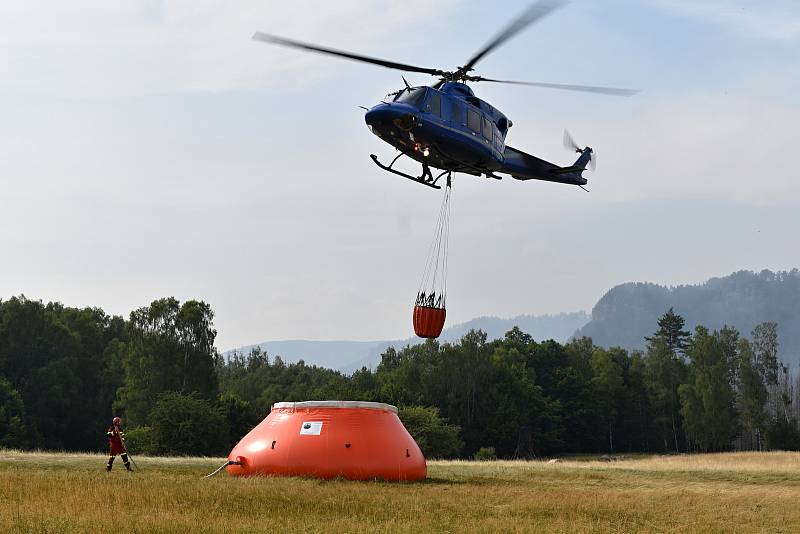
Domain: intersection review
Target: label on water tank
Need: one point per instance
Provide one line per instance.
(311, 428)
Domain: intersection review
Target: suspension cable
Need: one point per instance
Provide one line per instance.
(436, 262)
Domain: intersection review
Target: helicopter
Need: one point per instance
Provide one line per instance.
(446, 127)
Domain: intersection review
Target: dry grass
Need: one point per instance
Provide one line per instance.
(747, 492)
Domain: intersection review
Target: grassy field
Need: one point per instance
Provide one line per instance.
(737, 492)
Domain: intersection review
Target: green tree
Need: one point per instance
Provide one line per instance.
(666, 370)
(751, 394)
(765, 347)
(609, 384)
(728, 339)
(580, 422)
(13, 432)
(458, 379)
(363, 385)
(638, 416)
(434, 435)
(783, 434)
(485, 454)
(707, 399)
(139, 440)
(184, 424)
(523, 420)
(240, 416)
(671, 333)
(171, 349)
(58, 360)
(764, 391)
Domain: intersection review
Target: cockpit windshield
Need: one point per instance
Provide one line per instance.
(412, 97)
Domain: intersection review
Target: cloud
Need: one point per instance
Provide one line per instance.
(130, 47)
(774, 21)
(704, 145)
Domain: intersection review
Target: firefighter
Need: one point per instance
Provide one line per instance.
(116, 445)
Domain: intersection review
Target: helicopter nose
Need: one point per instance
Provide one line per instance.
(379, 116)
(385, 119)
(379, 120)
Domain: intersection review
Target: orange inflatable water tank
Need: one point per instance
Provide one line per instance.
(328, 439)
(428, 321)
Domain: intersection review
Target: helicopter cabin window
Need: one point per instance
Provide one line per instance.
(434, 106)
(487, 128)
(456, 111)
(474, 120)
(412, 97)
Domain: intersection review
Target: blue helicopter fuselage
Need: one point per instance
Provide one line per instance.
(448, 128)
(453, 130)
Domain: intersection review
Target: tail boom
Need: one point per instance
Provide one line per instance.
(523, 166)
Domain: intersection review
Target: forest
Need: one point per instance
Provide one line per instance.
(65, 372)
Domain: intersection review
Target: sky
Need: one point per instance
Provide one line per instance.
(151, 148)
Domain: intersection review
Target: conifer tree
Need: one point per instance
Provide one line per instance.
(671, 332)
(666, 370)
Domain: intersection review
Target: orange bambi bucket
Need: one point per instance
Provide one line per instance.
(428, 321)
(329, 439)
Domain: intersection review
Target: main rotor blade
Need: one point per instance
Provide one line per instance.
(535, 12)
(259, 36)
(614, 91)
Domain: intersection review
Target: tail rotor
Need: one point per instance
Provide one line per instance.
(570, 144)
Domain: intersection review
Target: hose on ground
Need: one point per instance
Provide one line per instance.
(223, 466)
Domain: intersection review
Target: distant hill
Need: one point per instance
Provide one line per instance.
(348, 356)
(622, 317)
(628, 312)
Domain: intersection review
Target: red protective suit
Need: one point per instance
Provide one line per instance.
(115, 445)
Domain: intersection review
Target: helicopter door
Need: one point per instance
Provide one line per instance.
(487, 130)
(457, 113)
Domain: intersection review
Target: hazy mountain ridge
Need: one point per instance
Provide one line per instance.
(628, 312)
(622, 317)
(348, 356)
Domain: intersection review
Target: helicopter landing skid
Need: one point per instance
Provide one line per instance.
(418, 179)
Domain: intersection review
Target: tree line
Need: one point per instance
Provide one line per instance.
(65, 372)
